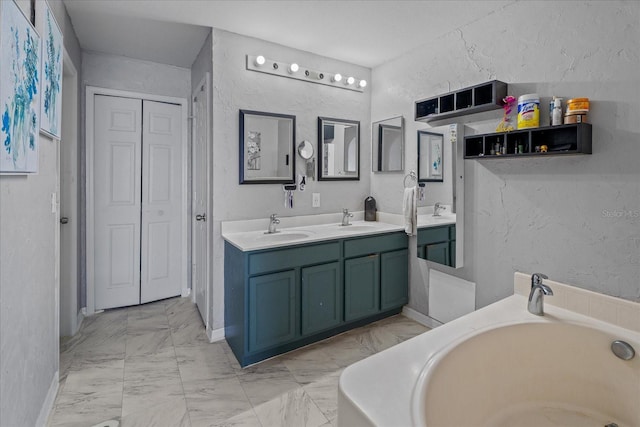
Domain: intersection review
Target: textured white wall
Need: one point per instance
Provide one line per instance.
(575, 218)
(28, 322)
(235, 88)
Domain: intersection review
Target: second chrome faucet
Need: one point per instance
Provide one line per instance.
(345, 217)
(273, 221)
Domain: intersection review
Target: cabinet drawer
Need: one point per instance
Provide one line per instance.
(430, 235)
(282, 259)
(374, 244)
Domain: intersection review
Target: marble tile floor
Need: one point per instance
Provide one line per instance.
(152, 365)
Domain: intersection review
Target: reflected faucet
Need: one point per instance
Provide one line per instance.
(536, 296)
(345, 217)
(273, 221)
(437, 208)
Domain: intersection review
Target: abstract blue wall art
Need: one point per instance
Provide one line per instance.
(19, 91)
(51, 72)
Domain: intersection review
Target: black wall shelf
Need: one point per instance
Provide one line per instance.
(475, 99)
(560, 140)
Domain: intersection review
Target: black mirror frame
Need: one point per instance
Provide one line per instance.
(320, 153)
(441, 179)
(291, 157)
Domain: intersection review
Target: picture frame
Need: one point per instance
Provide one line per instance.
(51, 74)
(19, 91)
(430, 156)
(267, 148)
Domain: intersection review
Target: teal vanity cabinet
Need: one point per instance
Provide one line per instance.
(375, 274)
(278, 299)
(438, 244)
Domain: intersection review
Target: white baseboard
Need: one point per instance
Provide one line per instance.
(47, 406)
(215, 335)
(420, 318)
(186, 292)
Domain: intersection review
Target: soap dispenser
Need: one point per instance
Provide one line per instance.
(369, 209)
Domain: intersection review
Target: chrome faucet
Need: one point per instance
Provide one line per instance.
(437, 208)
(536, 296)
(345, 217)
(273, 221)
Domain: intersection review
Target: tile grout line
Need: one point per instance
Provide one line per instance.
(175, 355)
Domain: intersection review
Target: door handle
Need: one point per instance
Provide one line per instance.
(64, 220)
(202, 217)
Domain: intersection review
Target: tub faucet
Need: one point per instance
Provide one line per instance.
(437, 208)
(273, 221)
(345, 216)
(536, 296)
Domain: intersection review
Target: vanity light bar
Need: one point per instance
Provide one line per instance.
(294, 71)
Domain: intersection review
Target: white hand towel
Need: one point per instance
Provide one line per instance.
(409, 211)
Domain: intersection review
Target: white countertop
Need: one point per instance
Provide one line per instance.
(254, 240)
(250, 235)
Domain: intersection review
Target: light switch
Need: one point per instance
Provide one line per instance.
(316, 200)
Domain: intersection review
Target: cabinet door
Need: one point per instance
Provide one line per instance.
(322, 297)
(362, 287)
(272, 310)
(438, 252)
(394, 279)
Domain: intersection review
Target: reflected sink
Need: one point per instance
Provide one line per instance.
(282, 237)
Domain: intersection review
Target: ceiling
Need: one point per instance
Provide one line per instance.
(367, 33)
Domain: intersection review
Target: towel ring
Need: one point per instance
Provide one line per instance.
(412, 177)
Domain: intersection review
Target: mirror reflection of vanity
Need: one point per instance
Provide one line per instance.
(440, 221)
(388, 145)
(338, 149)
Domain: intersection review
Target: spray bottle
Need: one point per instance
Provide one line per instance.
(556, 116)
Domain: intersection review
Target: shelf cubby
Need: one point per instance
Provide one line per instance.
(475, 99)
(560, 140)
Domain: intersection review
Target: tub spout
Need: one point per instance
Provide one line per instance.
(536, 296)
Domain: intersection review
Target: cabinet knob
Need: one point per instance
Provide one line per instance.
(64, 220)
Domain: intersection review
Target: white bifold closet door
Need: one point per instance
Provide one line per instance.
(137, 201)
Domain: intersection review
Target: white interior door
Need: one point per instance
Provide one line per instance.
(200, 182)
(161, 262)
(117, 200)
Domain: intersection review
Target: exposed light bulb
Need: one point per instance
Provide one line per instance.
(259, 60)
(362, 84)
(336, 78)
(350, 80)
(293, 68)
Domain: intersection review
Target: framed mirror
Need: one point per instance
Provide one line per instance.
(387, 145)
(430, 156)
(338, 149)
(440, 238)
(267, 148)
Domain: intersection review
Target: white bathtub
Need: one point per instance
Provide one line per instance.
(500, 366)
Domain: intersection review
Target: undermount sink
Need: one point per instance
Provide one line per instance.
(356, 227)
(281, 237)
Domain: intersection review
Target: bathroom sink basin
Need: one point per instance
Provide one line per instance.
(282, 237)
(356, 227)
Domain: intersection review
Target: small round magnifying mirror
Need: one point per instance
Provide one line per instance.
(305, 150)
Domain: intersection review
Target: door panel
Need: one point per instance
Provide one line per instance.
(161, 263)
(200, 179)
(361, 287)
(394, 279)
(272, 310)
(322, 297)
(117, 195)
